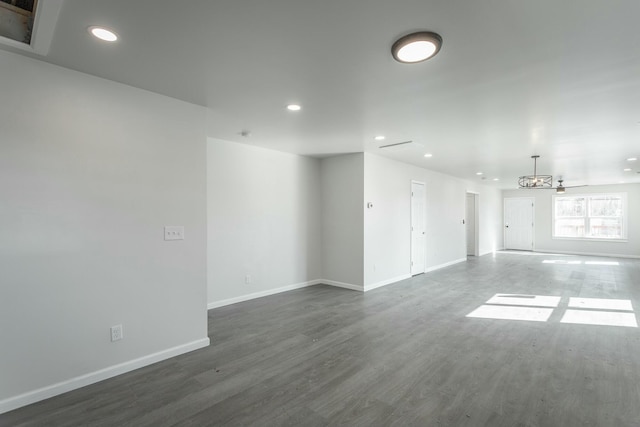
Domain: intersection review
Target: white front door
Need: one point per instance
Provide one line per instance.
(418, 226)
(518, 223)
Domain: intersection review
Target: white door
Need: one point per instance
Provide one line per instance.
(418, 225)
(518, 223)
(470, 222)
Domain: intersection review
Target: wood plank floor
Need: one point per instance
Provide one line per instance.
(401, 355)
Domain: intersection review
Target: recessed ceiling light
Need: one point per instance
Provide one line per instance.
(428, 155)
(103, 33)
(496, 179)
(478, 173)
(294, 107)
(626, 169)
(632, 159)
(379, 138)
(416, 47)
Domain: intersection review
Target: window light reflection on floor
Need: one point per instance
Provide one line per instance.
(527, 300)
(601, 304)
(500, 312)
(561, 261)
(602, 318)
(602, 263)
(538, 308)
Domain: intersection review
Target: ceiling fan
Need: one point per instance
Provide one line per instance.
(560, 189)
(536, 182)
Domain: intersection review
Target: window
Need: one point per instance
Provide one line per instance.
(592, 216)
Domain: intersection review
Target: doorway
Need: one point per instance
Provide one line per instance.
(519, 223)
(418, 227)
(471, 220)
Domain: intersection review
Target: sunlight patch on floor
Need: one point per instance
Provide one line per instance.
(532, 314)
(539, 308)
(602, 318)
(601, 303)
(527, 300)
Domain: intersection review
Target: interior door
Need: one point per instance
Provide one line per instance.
(418, 226)
(470, 222)
(518, 223)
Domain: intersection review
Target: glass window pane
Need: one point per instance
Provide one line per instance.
(605, 228)
(570, 206)
(605, 206)
(569, 227)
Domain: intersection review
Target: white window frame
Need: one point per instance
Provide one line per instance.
(587, 196)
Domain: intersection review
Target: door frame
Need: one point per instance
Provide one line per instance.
(424, 209)
(476, 222)
(533, 219)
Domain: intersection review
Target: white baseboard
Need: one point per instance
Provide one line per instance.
(247, 297)
(342, 285)
(100, 375)
(446, 264)
(490, 252)
(588, 253)
(386, 282)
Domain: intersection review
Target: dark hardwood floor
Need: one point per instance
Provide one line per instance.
(402, 355)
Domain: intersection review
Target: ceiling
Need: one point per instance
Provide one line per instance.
(513, 79)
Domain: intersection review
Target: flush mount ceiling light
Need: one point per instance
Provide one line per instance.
(428, 155)
(416, 47)
(294, 107)
(103, 33)
(379, 138)
(632, 159)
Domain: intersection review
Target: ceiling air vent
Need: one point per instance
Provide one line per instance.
(396, 144)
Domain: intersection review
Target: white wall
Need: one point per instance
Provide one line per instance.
(263, 221)
(387, 225)
(543, 222)
(342, 220)
(90, 172)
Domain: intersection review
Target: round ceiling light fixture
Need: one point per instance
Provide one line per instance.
(294, 107)
(103, 33)
(416, 47)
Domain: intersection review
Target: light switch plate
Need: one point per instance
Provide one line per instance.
(174, 232)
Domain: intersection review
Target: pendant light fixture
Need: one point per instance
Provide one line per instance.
(535, 180)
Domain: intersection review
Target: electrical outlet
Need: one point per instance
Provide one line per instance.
(174, 232)
(247, 279)
(116, 333)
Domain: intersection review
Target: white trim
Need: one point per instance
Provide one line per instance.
(96, 376)
(342, 285)
(247, 297)
(491, 251)
(552, 251)
(386, 282)
(446, 264)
